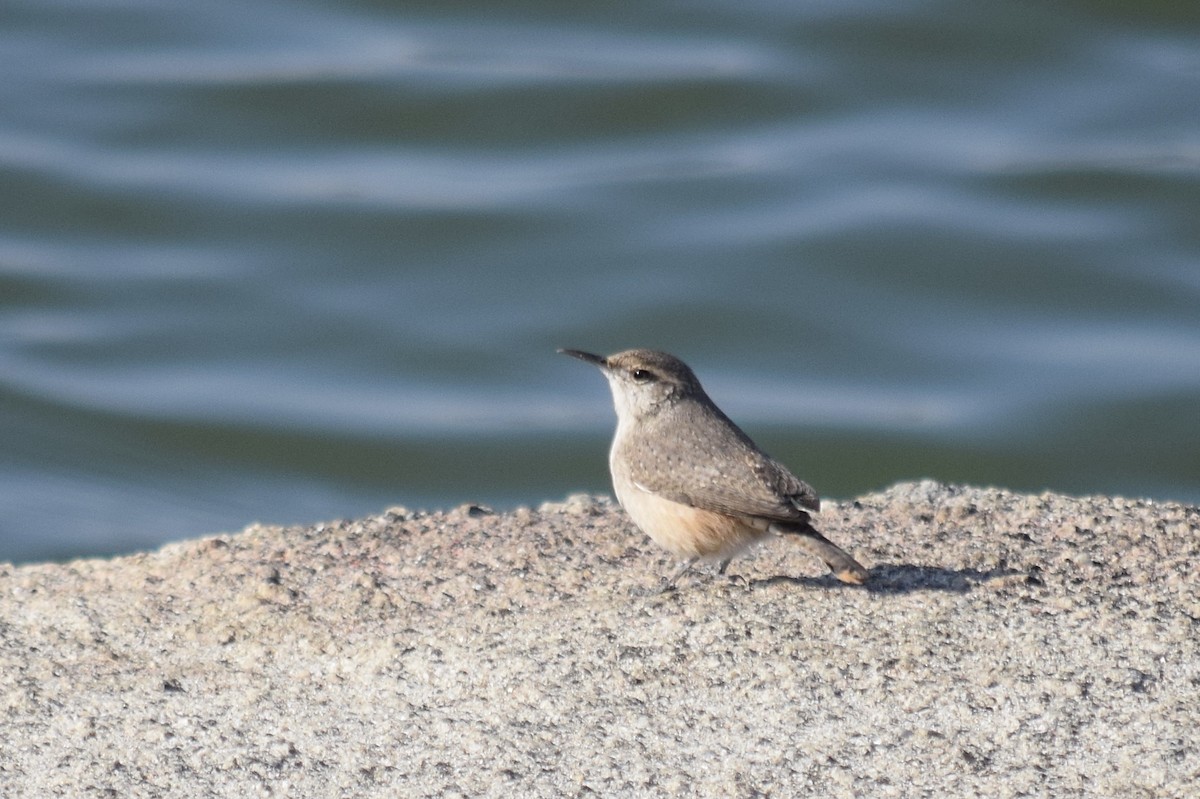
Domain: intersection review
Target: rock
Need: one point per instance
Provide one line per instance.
(1006, 645)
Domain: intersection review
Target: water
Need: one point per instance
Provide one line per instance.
(289, 262)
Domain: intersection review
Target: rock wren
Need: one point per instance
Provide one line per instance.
(691, 479)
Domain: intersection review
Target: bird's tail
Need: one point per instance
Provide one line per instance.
(844, 567)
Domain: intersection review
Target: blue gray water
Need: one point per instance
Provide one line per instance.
(286, 262)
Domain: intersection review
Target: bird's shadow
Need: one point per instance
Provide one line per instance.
(900, 578)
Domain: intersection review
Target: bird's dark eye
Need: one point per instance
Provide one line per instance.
(643, 375)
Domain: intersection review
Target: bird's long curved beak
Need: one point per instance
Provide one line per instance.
(598, 360)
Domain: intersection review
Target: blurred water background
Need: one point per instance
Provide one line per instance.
(294, 261)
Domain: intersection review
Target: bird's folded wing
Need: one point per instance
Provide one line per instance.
(718, 468)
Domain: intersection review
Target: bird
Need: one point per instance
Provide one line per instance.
(691, 480)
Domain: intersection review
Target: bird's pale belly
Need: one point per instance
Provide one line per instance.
(682, 530)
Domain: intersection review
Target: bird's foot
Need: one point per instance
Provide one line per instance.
(738, 580)
(649, 591)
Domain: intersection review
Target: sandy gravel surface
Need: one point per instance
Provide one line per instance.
(1008, 645)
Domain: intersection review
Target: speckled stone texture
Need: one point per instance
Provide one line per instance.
(1008, 645)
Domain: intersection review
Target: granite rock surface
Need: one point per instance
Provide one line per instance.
(1007, 645)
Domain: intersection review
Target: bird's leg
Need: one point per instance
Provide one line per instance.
(669, 584)
(733, 578)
